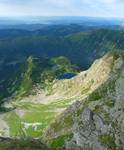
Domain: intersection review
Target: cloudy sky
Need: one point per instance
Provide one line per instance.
(105, 8)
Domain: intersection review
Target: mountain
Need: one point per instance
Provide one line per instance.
(29, 92)
(49, 30)
(20, 76)
(95, 120)
(36, 22)
(81, 48)
(85, 111)
(52, 91)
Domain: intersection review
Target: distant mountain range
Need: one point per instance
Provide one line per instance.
(34, 23)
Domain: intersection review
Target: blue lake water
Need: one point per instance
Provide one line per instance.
(66, 76)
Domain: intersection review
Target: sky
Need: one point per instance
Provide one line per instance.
(97, 8)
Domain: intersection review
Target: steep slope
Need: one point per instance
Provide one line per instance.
(94, 122)
(86, 81)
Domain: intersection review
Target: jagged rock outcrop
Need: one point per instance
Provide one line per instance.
(103, 129)
(92, 130)
(96, 122)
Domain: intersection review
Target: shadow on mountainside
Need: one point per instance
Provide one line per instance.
(21, 144)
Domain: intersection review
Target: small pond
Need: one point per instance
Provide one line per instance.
(66, 76)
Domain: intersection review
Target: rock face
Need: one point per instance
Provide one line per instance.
(96, 122)
(87, 132)
(102, 129)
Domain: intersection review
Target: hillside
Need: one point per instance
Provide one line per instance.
(80, 48)
(19, 79)
(29, 96)
(30, 115)
(96, 120)
(45, 94)
(84, 112)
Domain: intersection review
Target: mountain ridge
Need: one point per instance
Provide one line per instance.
(92, 123)
(80, 48)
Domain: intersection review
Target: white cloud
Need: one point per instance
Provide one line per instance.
(106, 8)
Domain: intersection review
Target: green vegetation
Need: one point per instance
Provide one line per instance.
(63, 64)
(59, 141)
(35, 117)
(109, 102)
(34, 120)
(26, 84)
(104, 90)
(4, 109)
(108, 141)
(96, 95)
(21, 144)
(98, 109)
(14, 122)
(62, 103)
(38, 117)
(63, 125)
